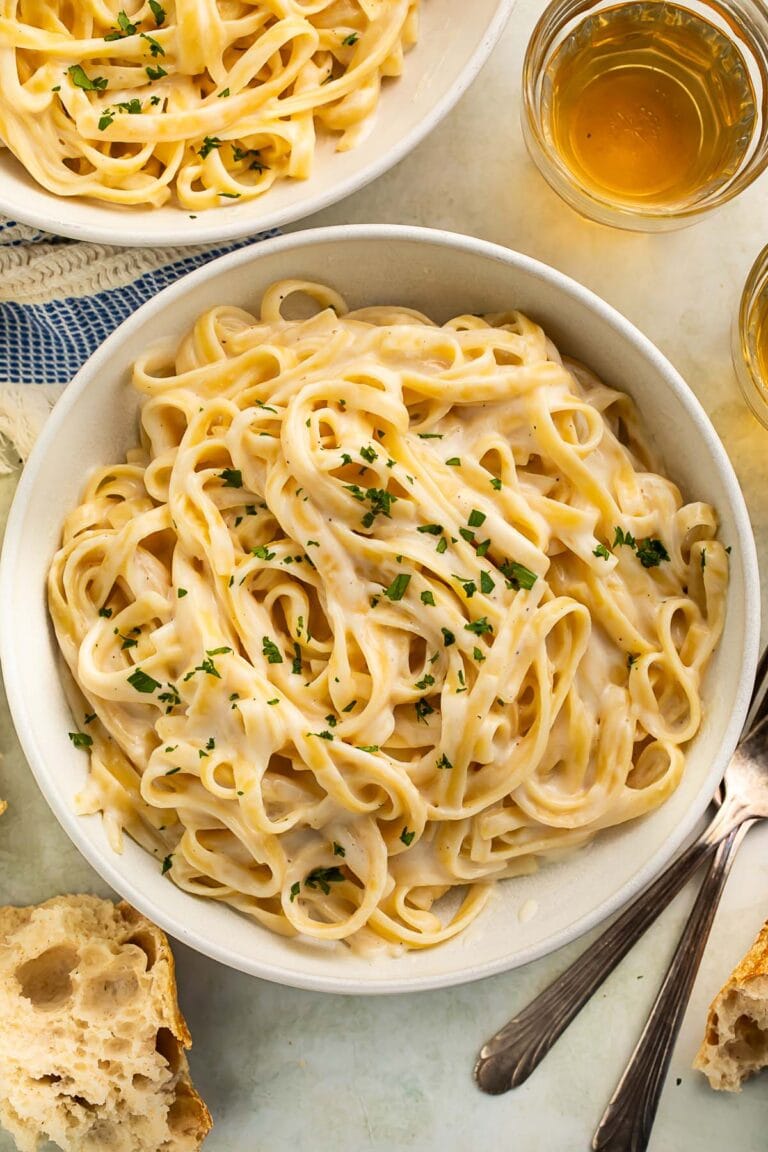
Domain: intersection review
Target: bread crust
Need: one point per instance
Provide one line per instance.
(735, 1044)
(92, 1051)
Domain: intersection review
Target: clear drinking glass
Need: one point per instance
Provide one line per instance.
(750, 339)
(579, 26)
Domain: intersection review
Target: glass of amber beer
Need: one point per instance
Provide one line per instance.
(645, 114)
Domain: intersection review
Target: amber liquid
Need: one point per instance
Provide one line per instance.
(649, 105)
(758, 338)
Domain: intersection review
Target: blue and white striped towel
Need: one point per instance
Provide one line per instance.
(59, 299)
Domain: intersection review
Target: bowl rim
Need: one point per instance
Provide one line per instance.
(104, 861)
(130, 235)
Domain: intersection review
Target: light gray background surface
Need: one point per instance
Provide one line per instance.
(288, 1071)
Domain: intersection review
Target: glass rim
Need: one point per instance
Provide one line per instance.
(754, 386)
(748, 18)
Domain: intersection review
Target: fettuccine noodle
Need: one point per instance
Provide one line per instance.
(211, 99)
(379, 613)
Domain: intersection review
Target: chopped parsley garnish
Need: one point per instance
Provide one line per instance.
(479, 627)
(367, 747)
(331, 721)
(631, 658)
(224, 92)
(125, 25)
(428, 598)
(448, 637)
(208, 145)
(349, 706)
(171, 698)
(172, 771)
(430, 435)
(271, 651)
(651, 552)
(181, 593)
(460, 677)
(87, 83)
(154, 46)
(295, 889)
(467, 535)
(426, 682)
(348, 41)
(296, 665)
(324, 735)
(127, 641)
(206, 666)
(469, 587)
(423, 709)
(397, 588)
(369, 455)
(142, 682)
(263, 553)
(166, 864)
(478, 655)
(486, 583)
(105, 121)
(379, 499)
(346, 458)
(407, 837)
(322, 878)
(476, 518)
(444, 762)
(482, 549)
(157, 11)
(313, 543)
(132, 107)
(106, 612)
(89, 717)
(80, 739)
(623, 538)
(496, 483)
(275, 701)
(157, 73)
(232, 477)
(338, 850)
(442, 545)
(430, 529)
(517, 575)
(218, 651)
(602, 551)
(454, 462)
(703, 559)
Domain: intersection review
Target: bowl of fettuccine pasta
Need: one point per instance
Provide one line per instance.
(143, 123)
(378, 609)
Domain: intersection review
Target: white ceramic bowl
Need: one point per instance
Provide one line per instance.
(455, 40)
(441, 274)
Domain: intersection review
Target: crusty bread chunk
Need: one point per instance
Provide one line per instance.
(91, 1037)
(736, 1042)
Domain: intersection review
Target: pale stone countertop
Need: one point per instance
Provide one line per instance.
(288, 1071)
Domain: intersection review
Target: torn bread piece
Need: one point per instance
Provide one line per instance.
(736, 1042)
(92, 1040)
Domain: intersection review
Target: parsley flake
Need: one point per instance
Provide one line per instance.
(397, 588)
(271, 651)
(81, 80)
(142, 682)
(322, 878)
(80, 739)
(407, 837)
(232, 477)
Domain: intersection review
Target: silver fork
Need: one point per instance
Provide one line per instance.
(514, 1052)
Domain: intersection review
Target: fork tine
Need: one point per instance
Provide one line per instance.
(758, 703)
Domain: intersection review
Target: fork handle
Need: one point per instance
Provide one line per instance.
(627, 1121)
(509, 1057)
